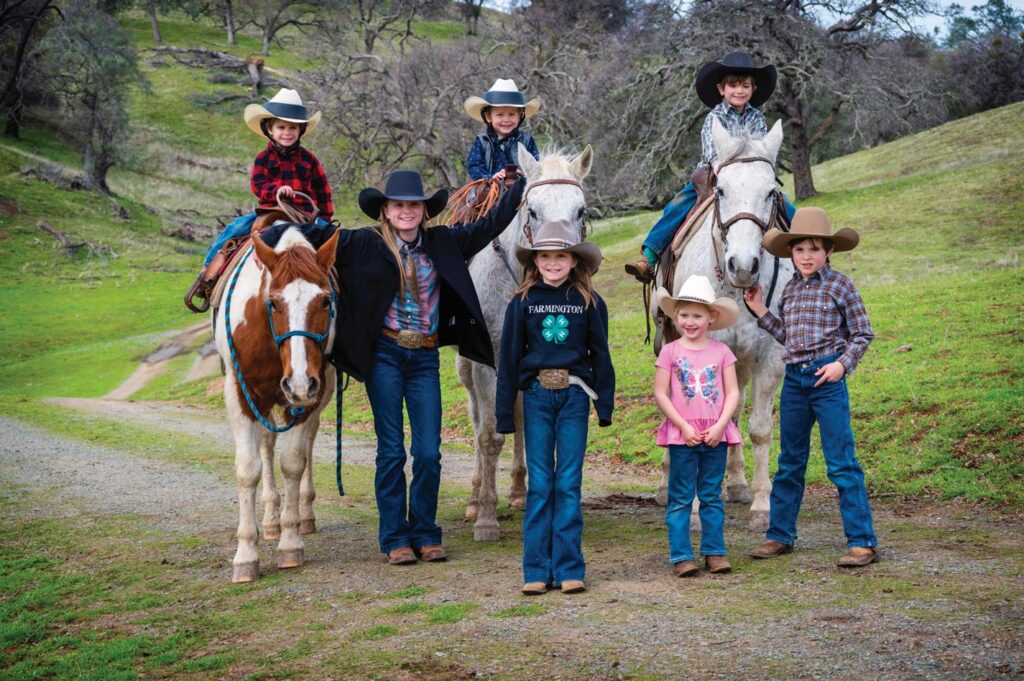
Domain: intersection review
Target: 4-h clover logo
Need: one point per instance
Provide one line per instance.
(556, 329)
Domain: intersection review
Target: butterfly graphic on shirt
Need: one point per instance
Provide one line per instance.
(694, 382)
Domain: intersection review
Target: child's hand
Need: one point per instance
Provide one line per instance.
(285, 191)
(754, 300)
(499, 176)
(713, 435)
(690, 434)
(831, 372)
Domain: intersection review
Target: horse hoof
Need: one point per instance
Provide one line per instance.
(243, 573)
(471, 510)
(292, 558)
(738, 494)
(486, 533)
(307, 526)
(661, 498)
(759, 521)
(516, 502)
(271, 532)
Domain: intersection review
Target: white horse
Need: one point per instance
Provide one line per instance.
(553, 192)
(727, 250)
(274, 330)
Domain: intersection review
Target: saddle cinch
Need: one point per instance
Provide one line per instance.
(208, 286)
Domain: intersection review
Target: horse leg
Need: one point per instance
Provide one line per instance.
(489, 443)
(736, 488)
(291, 548)
(245, 567)
(517, 495)
(307, 520)
(270, 499)
(765, 384)
(464, 368)
(661, 496)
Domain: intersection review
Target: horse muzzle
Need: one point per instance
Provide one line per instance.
(301, 390)
(743, 272)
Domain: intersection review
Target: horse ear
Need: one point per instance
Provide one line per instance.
(773, 140)
(721, 137)
(325, 254)
(527, 162)
(265, 253)
(580, 163)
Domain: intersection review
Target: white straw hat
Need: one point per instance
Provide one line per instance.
(286, 105)
(697, 289)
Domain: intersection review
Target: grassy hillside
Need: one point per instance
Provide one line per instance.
(938, 267)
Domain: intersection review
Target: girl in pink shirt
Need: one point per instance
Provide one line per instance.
(695, 387)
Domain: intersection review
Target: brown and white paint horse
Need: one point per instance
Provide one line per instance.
(283, 292)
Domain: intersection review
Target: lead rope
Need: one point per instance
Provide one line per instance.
(339, 389)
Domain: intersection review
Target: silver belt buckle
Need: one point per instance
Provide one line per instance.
(409, 340)
(553, 379)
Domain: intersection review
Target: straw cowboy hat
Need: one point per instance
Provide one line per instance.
(697, 289)
(560, 235)
(712, 73)
(503, 93)
(402, 185)
(286, 105)
(809, 222)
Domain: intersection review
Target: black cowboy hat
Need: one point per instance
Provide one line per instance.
(402, 185)
(711, 74)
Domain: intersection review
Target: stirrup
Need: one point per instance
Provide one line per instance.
(202, 291)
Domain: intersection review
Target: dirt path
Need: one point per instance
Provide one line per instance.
(947, 600)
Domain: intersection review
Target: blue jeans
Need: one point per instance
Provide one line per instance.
(800, 406)
(555, 432)
(239, 227)
(400, 374)
(695, 471)
(676, 211)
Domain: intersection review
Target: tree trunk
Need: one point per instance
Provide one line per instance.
(151, 8)
(96, 158)
(798, 142)
(267, 37)
(12, 125)
(229, 20)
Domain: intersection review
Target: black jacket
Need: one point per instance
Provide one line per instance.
(368, 278)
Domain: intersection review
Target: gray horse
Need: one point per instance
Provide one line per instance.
(552, 193)
(727, 250)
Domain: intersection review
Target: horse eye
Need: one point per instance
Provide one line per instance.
(721, 193)
(327, 303)
(273, 305)
(580, 213)
(532, 213)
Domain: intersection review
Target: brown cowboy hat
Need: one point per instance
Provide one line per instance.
(560, 235)
(809, 222)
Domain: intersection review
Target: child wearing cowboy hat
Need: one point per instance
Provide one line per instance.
(554, 347)
(283, 168)
(825, 328)
(733, 87)
(503, 109)
(696, 389)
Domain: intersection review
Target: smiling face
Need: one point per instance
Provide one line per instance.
(504, 119)
(404, 217)
(554, 266)
(284, 133)
(810, 255)
(693, 320)
(736, 91)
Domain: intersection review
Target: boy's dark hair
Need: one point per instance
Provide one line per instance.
(265, 127)
(826, 243)
(734, 78)
(487, 109)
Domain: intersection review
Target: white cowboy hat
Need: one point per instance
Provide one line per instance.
(503, 93)
(286, 105)
(560, 235)
(810, 222)
(697, 289)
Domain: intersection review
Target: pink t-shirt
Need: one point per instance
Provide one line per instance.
(697, 389)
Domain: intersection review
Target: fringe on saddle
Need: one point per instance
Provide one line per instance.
(471, 201)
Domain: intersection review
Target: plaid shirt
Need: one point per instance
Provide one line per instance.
(820, 316)
(751, 122)
(415, 309)
(295, 167)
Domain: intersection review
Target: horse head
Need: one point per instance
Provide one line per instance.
(746, 199)
(553, 191)
(300, 308)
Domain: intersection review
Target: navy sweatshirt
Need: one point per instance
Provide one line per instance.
(550, 329)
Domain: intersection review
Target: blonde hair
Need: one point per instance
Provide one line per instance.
(387, 232)
(579, 277)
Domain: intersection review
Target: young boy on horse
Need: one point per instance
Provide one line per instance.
(503, 109)
(733, 87)
(282, 170)
(825, 328)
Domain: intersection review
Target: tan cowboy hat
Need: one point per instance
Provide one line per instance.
(809, 222)
(560, 235)
(286, 105)
(503, 93)
(697, 289)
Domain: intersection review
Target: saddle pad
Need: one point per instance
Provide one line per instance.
(222, 280)
(691, 223)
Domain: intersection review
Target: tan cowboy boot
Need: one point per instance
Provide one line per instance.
(771, 549)
(858, 557)
(641, 270)
(717, 565)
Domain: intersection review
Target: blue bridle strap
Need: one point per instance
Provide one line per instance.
(318, 338)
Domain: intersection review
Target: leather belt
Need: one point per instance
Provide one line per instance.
(410, 339)
(553, 379)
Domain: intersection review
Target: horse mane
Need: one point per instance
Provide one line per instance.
(297, 258)
(554, 162)
(743, 144)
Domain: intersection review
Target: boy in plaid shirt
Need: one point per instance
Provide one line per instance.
(825, 328)
(283, 168)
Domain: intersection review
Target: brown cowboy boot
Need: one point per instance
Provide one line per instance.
(641, 270)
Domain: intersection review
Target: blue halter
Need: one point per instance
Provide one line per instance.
(318, 338)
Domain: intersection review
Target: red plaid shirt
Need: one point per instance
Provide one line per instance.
(820, 316)
(295, 167)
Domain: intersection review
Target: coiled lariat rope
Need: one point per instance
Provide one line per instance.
(471, 201)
